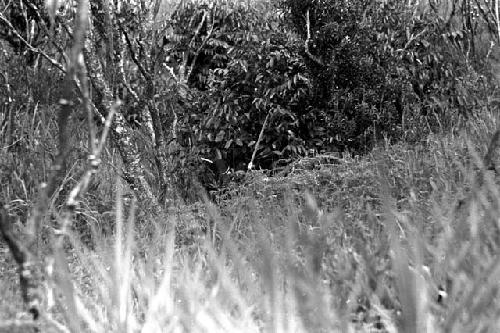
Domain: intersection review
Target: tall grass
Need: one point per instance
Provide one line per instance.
(408, 257)
(404, 239)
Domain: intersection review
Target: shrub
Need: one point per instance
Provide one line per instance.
(378, 70)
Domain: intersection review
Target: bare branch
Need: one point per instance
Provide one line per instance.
(144, 73)
(107, 125)
(122, 76)
(412, 39)
(200, 48)
(81, 187)
(53, 62)
(261, 135)
(184, 73)
(308, 40)
(492, 26)
(152, 119)
(174, 123)
(27, 265)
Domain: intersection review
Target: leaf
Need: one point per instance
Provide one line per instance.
(220, 136)
(228, 144)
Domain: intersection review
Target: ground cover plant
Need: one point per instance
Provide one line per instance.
(291, 166)
(273, 259)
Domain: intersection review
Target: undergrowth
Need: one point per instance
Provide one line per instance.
(404, 239)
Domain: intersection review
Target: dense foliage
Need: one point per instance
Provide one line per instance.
(248, 71)
(113, 112)
(205, 81)
(378, 70)
(332, 76)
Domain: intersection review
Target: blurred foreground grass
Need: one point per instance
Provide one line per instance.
(402, 240)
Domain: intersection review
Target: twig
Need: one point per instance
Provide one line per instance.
(200, 48)
(308, 40)
(174, 123)
(413, 38)
(41, 23)
(492, 26)
(144, 73)
(53, 62)
(121, 73)
(261, 135)
(184, 74)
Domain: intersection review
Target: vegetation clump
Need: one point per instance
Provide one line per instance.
(289, 166)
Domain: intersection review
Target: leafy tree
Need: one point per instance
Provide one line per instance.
(381, 69)
(207, 80)
(248, 72)
(195, 79)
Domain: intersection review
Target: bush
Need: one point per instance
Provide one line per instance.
(379, 70)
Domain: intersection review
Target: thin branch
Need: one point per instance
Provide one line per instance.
(81, 187)
(145, 74)
(42, 23)
(182, 72)
(200, 48)
(497, 19)
(261, 135)
(412, 39)
(107, 125)
(492, 26)
(174, 123)
(53, 62)
(152, 117)
(26, 261)
(308, 40)
(122, 76)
